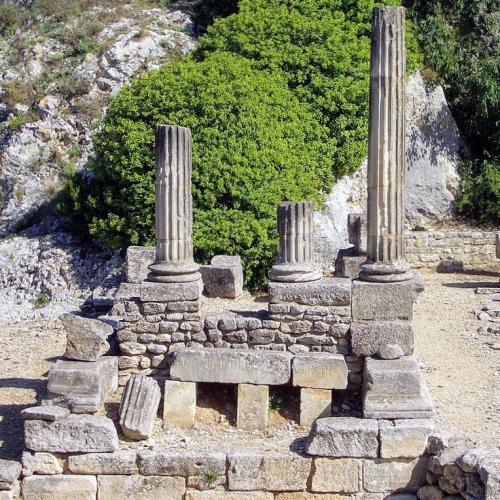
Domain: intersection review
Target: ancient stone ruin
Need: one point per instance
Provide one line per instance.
(327, 338)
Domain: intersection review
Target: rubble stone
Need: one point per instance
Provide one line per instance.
(179, 404)
(253, 406)
(320, 371)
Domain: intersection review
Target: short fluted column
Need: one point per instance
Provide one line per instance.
(386, 150)
(174, 207)
(295, 262)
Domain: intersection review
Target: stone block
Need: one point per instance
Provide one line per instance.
(350, 266)
(10, 470)
(404, 438)
(326, 291)
(228, 495)
(170, 292)
(303, 495)
(83, 386)
(370, 338)
(314, 404)
(86, 339)
(231, 366)
(140, 488)
(343, 437)
(126, 291)
(380, 476)
(181, 463)
(253, 406)
(137, 262)
(119, 462)
(336, 475)
(40, 463)
(139, 406)
(395, 389)
(60, 487)
(179, 404)
(49, 413)
(267, 472)
(382, 301)
(223, 277)
(319, 371)
(77, 433)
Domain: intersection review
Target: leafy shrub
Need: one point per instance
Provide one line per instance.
(9, 17)
(255, 145)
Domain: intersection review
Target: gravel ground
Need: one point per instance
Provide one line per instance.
(460, 366)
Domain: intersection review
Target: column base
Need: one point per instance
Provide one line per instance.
(294, 273)
(174, 272)
(386, 272)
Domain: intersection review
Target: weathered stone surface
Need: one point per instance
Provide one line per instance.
(138, 408)
(302, 495)
(10, 470)
(86, 339)
(319, 371)
(253, 406)
(382, 301)
(40, 463)
(343, 437)
(169, 292)
(181, 463)
(77, 433)
(179, 404)
(140, 488)
(314, 404)
(60, 487)
(119, 462)
(231, 366)
(350, 266)
(83, 386)
(137, 263)
(267, 472)
(390, 475)
(49, 413)
(327, 292)
(390, 351)
(336, 475)
(228, 495)
(223, 277)
(404, 438)
(371, 338)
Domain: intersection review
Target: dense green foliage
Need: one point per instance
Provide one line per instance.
(277, 99)
(461, 44)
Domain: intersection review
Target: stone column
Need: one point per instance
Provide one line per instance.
(174, 207)
(386, 150)
(295, 262)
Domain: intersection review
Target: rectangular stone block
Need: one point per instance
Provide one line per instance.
(268, 472)
(181, 463)
(40, 463)
(231, 366)
(228, 495)
(253, 407)
(60, 487)
(319, 370)
(140, 488)
(404, 438)
(336, 475)
(223, 277)
(170, 292)
(77, 433)
(137, 263)
(350, 266)
(324, 292)
(303, 495)
(343, 437)
(314, 404)
(381, 476)
(119, 462)
(179, 404)
(382, 301)
(369, 338)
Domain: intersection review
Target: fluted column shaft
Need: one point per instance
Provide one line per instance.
(174, 207)
(386, 149)
(295, 260)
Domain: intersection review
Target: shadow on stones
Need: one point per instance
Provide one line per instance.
(216, 402)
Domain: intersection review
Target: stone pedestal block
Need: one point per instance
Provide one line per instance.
(139, 405)
(314, 404)
(319, 371)
(370, 338)
(170, 292)
(179, 405)
(253, 406)
(137, 262)
(223, 277)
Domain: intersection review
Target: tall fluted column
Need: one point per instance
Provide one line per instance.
(386, 149)
(174, 207)
(295, 262)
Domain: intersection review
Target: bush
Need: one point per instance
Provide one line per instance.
(255, 145)
(9, 17)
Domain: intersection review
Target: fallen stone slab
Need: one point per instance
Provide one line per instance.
(40, 463)
(119, 462)
(139, 406)
(343, 437)
(140, 488)
(179, 463)
(170, 292)
(231, 366)
(319, 371)
(77, 433)
(86, 339)
(223, 277)
(324, 292)
(60, 487)
(49, 413)
(82, 386)
(137, 262)
(10, 470)
(404, 438)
